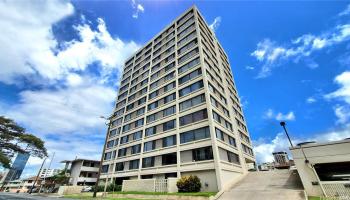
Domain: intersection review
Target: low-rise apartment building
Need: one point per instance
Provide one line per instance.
(22, 185)
(14, 186)
(82, 171)
(267, 166)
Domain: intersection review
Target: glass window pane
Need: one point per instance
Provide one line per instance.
(185, 120)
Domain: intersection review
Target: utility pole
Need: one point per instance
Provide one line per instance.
(43, 182)
(106, 183)
(36, 178)
(100, 166)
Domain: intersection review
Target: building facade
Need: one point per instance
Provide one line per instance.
(48, 172)
(267, 166)
(178, 112)
(81, 171)
(17, 167)
(324, 168)
(22, 186)
(281, 159)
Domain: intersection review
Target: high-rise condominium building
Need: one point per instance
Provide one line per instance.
(17, 167)
(178, 112)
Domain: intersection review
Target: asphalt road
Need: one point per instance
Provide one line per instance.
(24, 196)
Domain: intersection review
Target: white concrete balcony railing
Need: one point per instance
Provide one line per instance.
(159, 169)
(199, 165)
(339, 189)
(86, 179)
(89, 169)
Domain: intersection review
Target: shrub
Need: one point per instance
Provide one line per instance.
(114, 188)
(189, 184)
(110, 188)
(100, 188)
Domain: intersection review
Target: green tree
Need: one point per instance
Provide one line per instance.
(14, 139)
(61, 178)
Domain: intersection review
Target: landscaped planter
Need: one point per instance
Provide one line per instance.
(163, 197)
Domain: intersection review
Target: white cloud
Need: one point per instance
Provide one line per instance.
(333, 135)
(285, 117)
(343, 93)
(249, 68)
(28, 46)
(345, 12)
(311, 64)
(215, 24)
(271, 54)
(73, 79)
(342, 112)
(65, 109)
(95, 46)
(138, 8)
(310, 100)
(244, 102)
(270, 114)
(76, 106)
(263, 150)
(26, 40)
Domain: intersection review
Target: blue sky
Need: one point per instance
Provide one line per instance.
(61, 60)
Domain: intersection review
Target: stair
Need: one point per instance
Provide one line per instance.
(269, 185)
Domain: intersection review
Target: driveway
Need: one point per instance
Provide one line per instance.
(269, 185)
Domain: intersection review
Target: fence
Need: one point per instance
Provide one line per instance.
(161, 185)
(337, 189)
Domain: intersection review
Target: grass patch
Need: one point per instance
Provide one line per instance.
(88, 195)
(314, 198)
(320, 198)
(202, 194)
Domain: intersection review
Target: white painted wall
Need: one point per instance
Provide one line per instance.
(318, 153)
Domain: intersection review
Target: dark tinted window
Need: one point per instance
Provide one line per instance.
(204, 153)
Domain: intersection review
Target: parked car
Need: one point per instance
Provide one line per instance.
(34, 190)
(86, 189)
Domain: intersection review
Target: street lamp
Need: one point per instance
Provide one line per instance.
(103, 152)
(283, 124)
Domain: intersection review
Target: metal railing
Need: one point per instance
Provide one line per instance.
(337, 189)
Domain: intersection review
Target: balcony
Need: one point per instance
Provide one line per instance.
(89, 169)
(86, 179)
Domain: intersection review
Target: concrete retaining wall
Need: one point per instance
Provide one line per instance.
(144, 185)
(149, 185)
(172, 185)
(64, 190)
